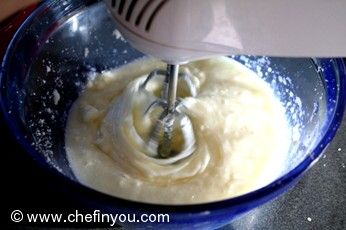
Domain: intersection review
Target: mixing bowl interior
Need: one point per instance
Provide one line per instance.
(58, 50)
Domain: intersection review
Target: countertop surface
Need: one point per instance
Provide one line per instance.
(318, 201)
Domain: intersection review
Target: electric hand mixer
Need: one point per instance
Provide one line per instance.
(179, 31)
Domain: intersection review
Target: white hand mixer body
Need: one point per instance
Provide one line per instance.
(178, 31)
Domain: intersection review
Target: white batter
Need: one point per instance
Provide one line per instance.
(240, 128)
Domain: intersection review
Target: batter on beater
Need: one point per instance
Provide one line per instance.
(240, 130)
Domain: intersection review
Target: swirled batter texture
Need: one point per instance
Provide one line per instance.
(240, 129)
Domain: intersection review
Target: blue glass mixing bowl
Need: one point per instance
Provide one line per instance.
(65, 43)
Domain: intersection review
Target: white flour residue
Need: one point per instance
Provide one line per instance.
(118, 35)
(56, 96)
(86, 52)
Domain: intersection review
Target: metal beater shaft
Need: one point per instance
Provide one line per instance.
(173, 73)
(165, 145)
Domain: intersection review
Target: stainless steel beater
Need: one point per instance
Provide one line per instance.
(172, 119)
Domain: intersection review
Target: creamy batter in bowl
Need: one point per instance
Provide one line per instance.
(60, 48)
(242, 135)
